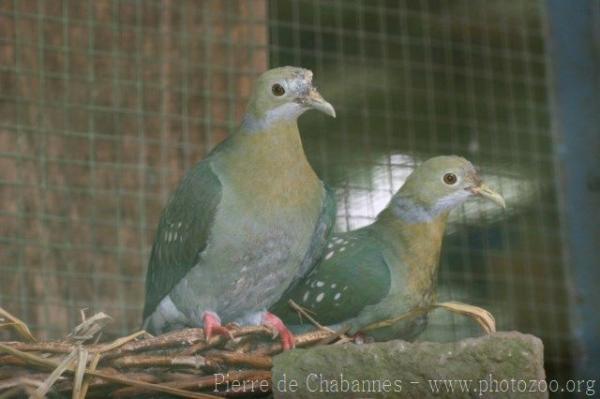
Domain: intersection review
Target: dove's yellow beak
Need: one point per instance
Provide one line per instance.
(487, 193)
(316, 101)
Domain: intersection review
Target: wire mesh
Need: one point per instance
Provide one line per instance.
(415, 79)
(105, 104)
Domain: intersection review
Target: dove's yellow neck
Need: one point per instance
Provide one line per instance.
(272, 166)
(415, 249)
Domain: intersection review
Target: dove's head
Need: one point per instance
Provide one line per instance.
(283, 94)
(437, 186)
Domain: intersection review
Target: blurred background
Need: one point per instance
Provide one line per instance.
(105, 104)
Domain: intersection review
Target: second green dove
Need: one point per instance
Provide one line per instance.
(390, 267)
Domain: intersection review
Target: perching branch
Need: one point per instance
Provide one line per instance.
(37, 361)
(180, 363)
(140, 363)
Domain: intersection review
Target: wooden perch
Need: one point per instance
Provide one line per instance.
(59, 368)
(180, 363)
(142, 364)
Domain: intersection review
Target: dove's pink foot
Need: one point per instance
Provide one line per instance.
(361, 338)
(212, 326)
(285, 336)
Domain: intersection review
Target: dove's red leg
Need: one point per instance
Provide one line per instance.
(212, 325)
(287, 338)
(360, 338)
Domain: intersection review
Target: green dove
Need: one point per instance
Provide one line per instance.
(245, 222)
(390, 267)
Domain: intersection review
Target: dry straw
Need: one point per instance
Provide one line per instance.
(181, 363)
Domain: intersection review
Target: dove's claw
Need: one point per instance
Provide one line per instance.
(285, 335)
(212, 326)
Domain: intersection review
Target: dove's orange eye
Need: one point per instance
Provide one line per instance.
(278, 90)
(450, 178)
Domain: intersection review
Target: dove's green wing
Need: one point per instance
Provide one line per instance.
(183, 232)
(352, 275)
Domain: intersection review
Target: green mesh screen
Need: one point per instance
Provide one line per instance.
(415, 79)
